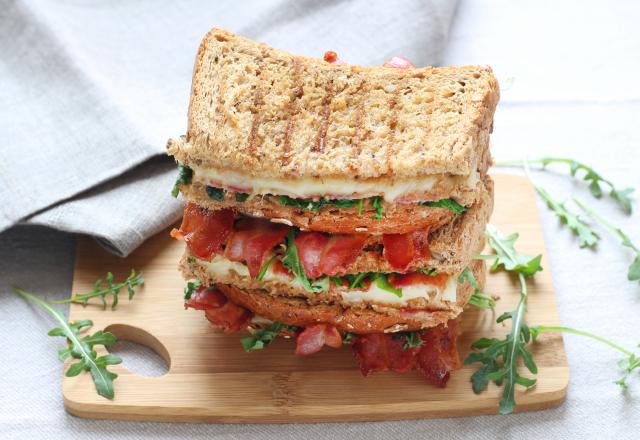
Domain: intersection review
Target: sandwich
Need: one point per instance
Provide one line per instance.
(334, 204)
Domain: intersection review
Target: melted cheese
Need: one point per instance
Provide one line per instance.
(307, 187)
(220, 267)
(378, 295)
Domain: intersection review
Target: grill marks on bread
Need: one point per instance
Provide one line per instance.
(292, 110)
(294, 116)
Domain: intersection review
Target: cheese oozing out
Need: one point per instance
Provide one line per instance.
(220, 267)
(307, 187)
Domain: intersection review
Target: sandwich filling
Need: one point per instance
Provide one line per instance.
(391, 190)
(385, 289)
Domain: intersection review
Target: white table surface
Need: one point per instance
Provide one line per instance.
(576, 94)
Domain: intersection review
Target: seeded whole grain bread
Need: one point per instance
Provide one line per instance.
(373, 319)
(396, 219)
(264, 112)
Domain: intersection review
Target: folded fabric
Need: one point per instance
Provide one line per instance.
(91, 92)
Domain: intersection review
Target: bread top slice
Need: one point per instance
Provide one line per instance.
(265, 113)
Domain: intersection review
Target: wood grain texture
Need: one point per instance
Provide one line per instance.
(211, 379)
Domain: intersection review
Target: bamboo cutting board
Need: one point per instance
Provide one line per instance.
(211, 379)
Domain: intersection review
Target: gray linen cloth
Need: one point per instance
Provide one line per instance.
(91, 91)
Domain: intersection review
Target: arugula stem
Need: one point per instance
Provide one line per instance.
(544, 161)
(45, 305)
(553, 328)
(69, 333)
(605, 223)
(516, 328)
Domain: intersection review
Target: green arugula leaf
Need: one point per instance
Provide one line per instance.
(450, 204)
(478, 298)
(411, 339)
(261, 338)
(630, 363)
(133, 280)
(263, 269)
(292, 262)
(587, 237)
(190, 288)
(633, 273)
(185, 175)
(382, 282)
(360, 203)
(81, 347)
(347, 338)
(507, 256)
(499, 358)
(241, 197)
(430, 272)
(376, 202)
(315, 205)
(214, 193)
(620, 196)
(356, 281)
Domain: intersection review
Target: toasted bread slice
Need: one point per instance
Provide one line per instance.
(395, 219)
(263, 112)
(361, 319)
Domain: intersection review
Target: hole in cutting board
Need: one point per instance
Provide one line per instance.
(141, 352)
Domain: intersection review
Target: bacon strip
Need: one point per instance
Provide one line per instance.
(205, 231)
(340, 252)
(322, 254)
(221, 312)
(438, 355)
(313, 338)
(381, 352)
(401, 250)
(310, 246)
(252, 240)
(435, 358)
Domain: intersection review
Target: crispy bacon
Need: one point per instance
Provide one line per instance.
(401, 250)
(398, 250)
(310, 246)
(438, 355)
(400, 280)
(313, 338)
(322, 254)
(340, 252)
(435, 358)
(381, 352)
(230, 317)
(251, 241)
(203, 299)
(205, 231)
(221, 312)
(278, 268)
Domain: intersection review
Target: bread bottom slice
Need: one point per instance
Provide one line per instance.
(360, 319)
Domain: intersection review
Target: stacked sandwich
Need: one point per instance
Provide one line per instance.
(335, 204)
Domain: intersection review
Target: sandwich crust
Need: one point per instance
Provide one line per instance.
(264, 112)
(296, 311)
